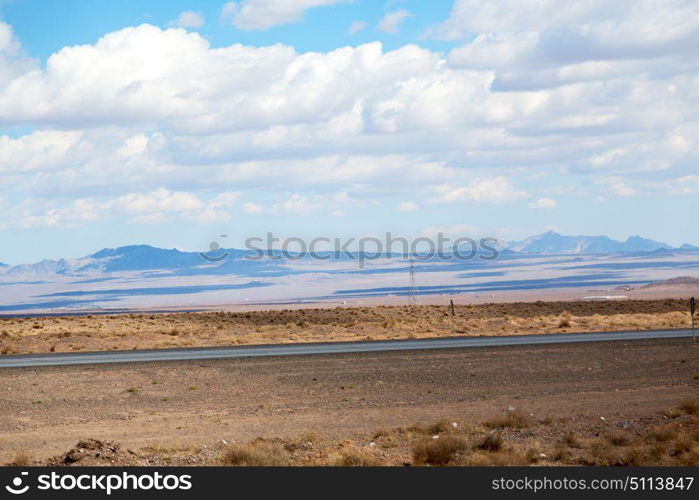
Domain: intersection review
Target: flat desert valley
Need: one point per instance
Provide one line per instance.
(602, 403)
(606, 403)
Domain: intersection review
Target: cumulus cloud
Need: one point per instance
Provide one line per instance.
(543, 204)
(407, 206)
(545, 43)
(121, 119)
(391, 22)
(159, 205)
(491, 190)
(189, 19)
(357, 26)
(264, 14)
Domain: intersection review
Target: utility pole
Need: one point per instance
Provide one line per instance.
(453, 314)
(692, 309)
(414, 293)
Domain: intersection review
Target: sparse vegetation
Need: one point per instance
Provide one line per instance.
(258, 453)
(515, 419)
(152, 331)
(21, 459)
(441, 451)
(355, 457)
(491, 442)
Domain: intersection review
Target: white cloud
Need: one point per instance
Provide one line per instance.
(294, 204)
(264, 14)
(254, 208)
(357, 26)
(489, 190)
(391, 22)
(189, 19)
(157, 206)
(544, 43)
(120, 118)
(407, 206)
(543, 204)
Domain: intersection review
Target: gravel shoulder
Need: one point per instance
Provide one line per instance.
(197, 406)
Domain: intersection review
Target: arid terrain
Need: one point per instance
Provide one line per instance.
(623, 402)
(151, 331)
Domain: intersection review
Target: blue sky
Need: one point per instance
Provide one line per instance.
(145, 122)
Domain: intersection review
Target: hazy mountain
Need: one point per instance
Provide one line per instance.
(638, 244)
(553, 242)
(137, 258)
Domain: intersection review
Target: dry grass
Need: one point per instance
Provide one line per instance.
(638, 443)
(356, 457)
(688, 406)
(441, 451)
(153, 331)
(258, 453)
(618, 438)
(21, 459)
(491, 442)
(515, 419)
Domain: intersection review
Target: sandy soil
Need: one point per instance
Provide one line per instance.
(623, 402)
(168, 330)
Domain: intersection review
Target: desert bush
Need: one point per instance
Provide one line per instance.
(617, 438)
(663, 435)
(21, 459)
(491, 442)
(690, 406)
(440, 451)
(571, 440)
(516, 419)
(355, 457)
(440, 427)
(259, 453)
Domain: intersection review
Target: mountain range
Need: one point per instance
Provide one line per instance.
(553, 242)
(161, 261)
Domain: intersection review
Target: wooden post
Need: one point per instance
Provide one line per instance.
(453, 329)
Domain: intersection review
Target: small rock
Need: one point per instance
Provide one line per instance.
(372, 444)
(603, 419)
(542, 455)
(435, 437)
(511, 408)
(454, 425)
(223, 441)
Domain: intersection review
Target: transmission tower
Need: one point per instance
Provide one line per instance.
(414, 293)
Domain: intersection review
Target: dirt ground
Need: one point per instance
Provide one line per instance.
(152, 331)
(622, 402)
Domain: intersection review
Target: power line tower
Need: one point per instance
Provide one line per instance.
(413, 292)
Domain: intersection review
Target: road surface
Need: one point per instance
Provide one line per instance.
(84, 358)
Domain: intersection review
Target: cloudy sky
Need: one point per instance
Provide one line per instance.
(170, 123)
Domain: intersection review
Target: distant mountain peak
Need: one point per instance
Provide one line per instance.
(553, 242)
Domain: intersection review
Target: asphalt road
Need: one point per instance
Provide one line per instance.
(84, 358)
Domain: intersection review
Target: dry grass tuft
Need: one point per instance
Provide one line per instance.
(21, 459)
(491, 442)
(442, 451)
(617, 438)
(355, 457)
(259, 453)
(516, 419)
(688, 406)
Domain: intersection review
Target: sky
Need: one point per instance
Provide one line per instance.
(171, 123)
